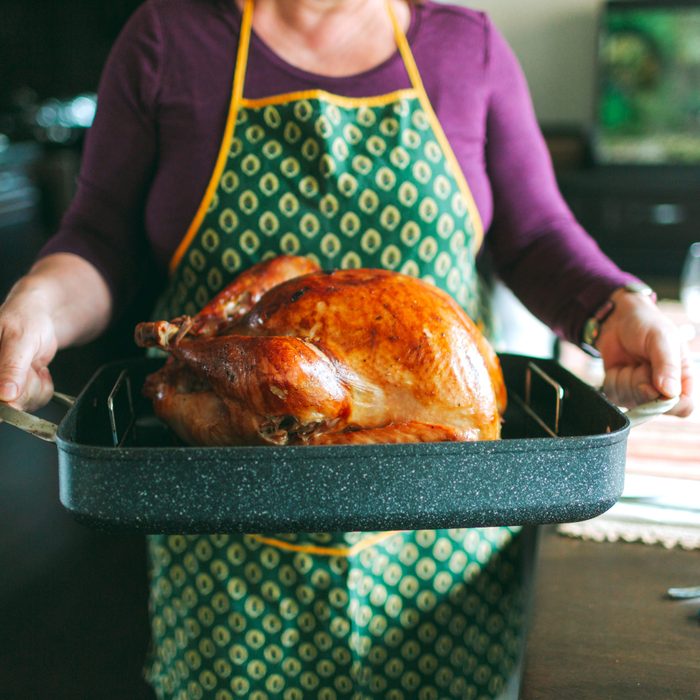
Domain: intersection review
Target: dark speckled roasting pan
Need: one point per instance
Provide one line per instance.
(151, 484)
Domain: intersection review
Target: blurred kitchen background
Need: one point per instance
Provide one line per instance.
(619, 103)
(72, 601)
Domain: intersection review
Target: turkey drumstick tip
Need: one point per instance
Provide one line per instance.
(162, 334)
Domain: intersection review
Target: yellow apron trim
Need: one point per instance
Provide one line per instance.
(236, 97)
(417, 82)
(326, 551)
(339, 100)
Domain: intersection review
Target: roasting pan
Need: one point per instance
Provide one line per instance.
(561, 459)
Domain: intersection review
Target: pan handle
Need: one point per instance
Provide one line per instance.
(646, 411)
(38, 427)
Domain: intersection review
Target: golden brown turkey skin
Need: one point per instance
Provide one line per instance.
(352, 356)
(245, 291)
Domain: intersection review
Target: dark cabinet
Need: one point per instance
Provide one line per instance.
(643, 218)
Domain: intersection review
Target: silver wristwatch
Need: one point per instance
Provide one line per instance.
(591, 328)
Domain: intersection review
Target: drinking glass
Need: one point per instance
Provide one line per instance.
(690, 286)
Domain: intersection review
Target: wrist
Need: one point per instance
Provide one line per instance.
(595, 325)
(77, 299)
(41, 303)
(32, 291)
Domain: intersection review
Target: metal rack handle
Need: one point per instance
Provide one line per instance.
(31, 424)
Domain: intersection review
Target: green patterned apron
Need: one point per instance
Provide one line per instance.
(349, 182)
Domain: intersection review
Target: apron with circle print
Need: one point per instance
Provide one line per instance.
(349, 182)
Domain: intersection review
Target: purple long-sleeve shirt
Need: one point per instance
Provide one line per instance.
(163, 101)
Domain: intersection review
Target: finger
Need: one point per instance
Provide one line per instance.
(686, 405)
(629, 385)
(683, 408)
(16, 355)
(38, 390)
(664, 353)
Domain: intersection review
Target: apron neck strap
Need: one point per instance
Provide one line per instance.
(405, 51)
(244, 48)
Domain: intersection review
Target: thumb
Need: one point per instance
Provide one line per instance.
(663, 351)
(9, 389)
(15, 362)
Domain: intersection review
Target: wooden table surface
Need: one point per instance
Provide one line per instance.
(603, 628)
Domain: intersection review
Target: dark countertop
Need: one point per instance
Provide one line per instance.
(603, 628)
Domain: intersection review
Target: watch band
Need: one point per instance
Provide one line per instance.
(591, 328)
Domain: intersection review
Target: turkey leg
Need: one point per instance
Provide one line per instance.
(277, 389)
(246, 290)
(229, 305)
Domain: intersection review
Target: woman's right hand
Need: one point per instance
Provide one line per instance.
(27, 345)
(62, 301)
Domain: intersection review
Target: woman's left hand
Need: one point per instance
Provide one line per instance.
(643, 355)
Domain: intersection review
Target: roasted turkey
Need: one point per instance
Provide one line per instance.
(288, 354)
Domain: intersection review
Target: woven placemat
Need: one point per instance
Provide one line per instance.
(609, 529)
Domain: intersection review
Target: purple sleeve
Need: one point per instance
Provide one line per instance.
(104, 223)
(537, 246)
